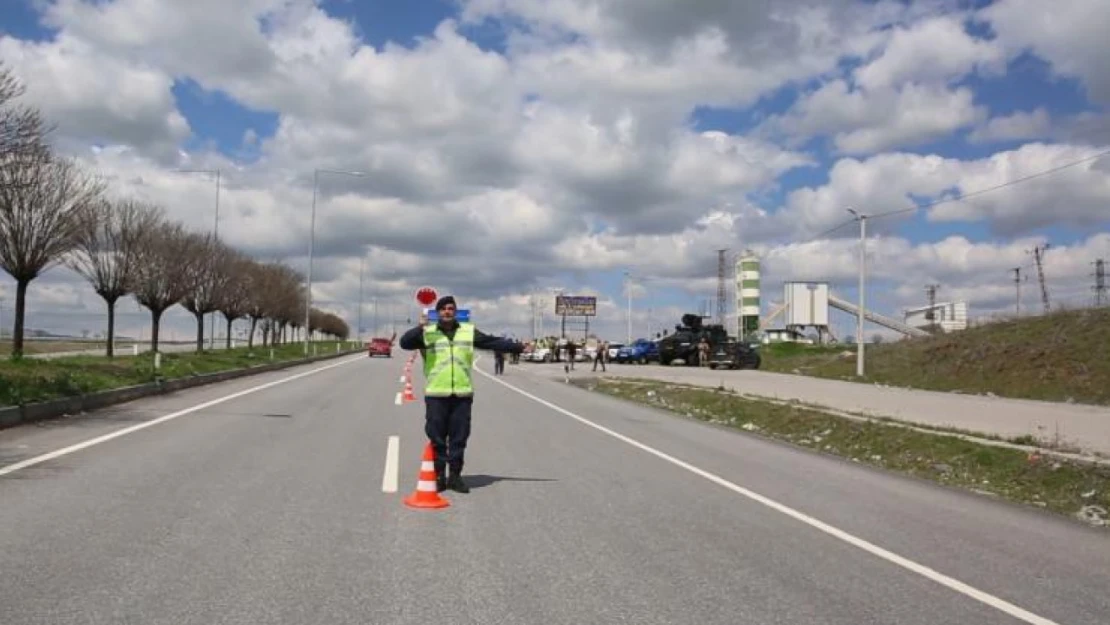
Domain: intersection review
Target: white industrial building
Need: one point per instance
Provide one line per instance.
(950, 316)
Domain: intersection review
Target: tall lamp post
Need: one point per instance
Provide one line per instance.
(311, 244)
(361, 267)
(628, 294)
(862, 219)
(216, 235)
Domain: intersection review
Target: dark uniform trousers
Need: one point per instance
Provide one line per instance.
(447, 424)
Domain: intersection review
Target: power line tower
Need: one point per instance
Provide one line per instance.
(722, 277)
(1100, 282)
(931, 293)
(1038, 256)
(1017, 286)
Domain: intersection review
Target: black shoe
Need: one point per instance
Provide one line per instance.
(456, 483)
(441, 483)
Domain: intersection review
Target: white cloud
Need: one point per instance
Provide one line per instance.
(96, 97)
(870, 121)
(1069, 34)
(1017, 126)
(1073, 198)
(903, 95)
(573, 153)
(1076, 197)
(935, 50)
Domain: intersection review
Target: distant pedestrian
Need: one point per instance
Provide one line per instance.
(498, 362)
(602, 355)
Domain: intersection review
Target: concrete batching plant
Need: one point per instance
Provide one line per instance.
(747, 294)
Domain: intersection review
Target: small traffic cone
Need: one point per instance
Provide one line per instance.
(425, 495)
(409, 396)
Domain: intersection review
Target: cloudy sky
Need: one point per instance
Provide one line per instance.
(516, 146)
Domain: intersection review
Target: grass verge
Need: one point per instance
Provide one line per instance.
(1055, 357)
(1075, 489)
(33, 380)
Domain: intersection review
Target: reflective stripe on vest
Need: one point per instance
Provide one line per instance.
(447, 362)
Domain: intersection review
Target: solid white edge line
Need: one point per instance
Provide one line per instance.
(954, 584)
(392, 456)
(23, 464)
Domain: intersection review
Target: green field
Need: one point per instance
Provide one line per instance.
(1064, 356)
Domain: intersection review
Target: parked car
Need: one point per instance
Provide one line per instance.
(734, 354)
(640, 351)
(380, 347)
(539, 354)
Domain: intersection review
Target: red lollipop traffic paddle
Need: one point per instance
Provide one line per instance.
(426, 296)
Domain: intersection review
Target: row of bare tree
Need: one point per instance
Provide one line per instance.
(52, 212)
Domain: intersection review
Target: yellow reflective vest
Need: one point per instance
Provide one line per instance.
(448, 362)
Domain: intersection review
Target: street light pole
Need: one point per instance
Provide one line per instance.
(361, 263)
(311, 244)
(628, 293)
(862, 218)
(216, 235)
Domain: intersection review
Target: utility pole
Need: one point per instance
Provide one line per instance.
(1017, 286)
(862, 218)
(1100, 282)
(1038, 256)
(361, 264)
(628, 293)
(721, 278)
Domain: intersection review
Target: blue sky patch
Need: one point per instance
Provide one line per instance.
(20, 20)
(221, 122)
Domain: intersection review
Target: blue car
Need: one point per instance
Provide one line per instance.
(641, 351)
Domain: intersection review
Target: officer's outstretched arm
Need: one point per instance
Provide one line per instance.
(413, 338)
(494, 343)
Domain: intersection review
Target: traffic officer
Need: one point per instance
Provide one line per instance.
(448, 348)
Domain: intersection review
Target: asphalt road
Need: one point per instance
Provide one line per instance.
(268, 507)
(1078, 426)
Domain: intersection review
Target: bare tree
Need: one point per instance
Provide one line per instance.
(208, 276)
(108, 240)
(266, 283)
(42, 199)
(280, 301)
(161, 277)
(234, 299)
(330, 324)
(22, 128)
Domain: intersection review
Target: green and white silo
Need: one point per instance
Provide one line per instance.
(747, 294)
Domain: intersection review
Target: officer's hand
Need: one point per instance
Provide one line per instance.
(423, 319)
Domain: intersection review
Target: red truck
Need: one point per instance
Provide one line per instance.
(380, 347)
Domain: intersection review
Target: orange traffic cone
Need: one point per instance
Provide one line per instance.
(409, 396)
(425, 495)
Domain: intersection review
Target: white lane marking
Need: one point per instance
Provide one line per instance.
(392, 453)
(399, 400)
(954, 584)
(23, 464)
